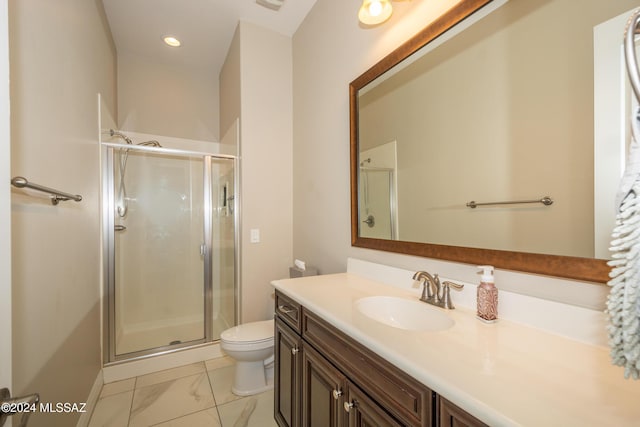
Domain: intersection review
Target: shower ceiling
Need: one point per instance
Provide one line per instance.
(205, 27)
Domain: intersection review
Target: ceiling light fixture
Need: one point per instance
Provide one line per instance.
(374, 12)
(171, 41)
(271, 4)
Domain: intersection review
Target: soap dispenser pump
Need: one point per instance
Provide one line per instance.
(487, 295)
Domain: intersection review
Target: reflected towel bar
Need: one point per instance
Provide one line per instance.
(56, 196)
(546, 200)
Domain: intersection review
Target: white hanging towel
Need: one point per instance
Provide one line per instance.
(623, 304)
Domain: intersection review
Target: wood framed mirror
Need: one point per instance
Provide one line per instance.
(584, 266)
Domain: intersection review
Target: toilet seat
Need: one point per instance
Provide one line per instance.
(250, 334)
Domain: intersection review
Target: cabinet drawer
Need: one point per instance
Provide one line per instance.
(288, 310)
(402, 396)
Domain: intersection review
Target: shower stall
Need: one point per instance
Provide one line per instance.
(169, 239)
(377, 192)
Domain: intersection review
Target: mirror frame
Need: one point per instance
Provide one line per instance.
(587, 269)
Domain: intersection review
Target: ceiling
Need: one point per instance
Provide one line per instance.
(205, 27)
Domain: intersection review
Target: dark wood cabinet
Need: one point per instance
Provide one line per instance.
(452, 416)
(404, 398)
(364, 412)
(287, 375)
(322, 391)
(323, 378)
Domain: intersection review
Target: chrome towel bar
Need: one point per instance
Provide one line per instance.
(55, 195)
(546, 200)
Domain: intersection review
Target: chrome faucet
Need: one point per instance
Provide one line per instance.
(434, 292)
(430, 286)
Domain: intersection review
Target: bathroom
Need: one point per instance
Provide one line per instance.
(293, 105)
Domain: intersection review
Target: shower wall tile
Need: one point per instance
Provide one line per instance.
(170, 374)
(171, 399)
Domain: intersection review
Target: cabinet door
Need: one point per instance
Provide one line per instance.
(287, 376)
(406, 399)
(364, 412)
(452, 416)
(322, 391)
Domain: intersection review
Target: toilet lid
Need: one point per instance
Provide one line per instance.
(249, 332)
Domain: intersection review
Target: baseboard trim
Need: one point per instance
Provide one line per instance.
(125, 370)
(92, 399)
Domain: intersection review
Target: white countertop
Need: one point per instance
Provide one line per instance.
(504, 373)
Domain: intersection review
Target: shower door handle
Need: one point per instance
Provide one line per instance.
(203, 249)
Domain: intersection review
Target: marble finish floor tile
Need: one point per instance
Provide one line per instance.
(219, 362)
(112, 411)
(221, 382)
(171, 399)
(170, 374)
(182, 397)
(118, 387)
(250, 411)
(206, 418)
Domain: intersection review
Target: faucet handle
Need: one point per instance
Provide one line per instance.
(446, 298)
(456, 286)
(425, 278)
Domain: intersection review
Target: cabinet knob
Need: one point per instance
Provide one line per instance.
(348, 406)
(337, 394)
(295, 350)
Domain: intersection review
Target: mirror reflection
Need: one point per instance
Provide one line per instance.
(502, 111)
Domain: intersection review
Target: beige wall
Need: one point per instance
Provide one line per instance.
(61, 57)
(230, 85)
(324, 64)
(261, 59)
(167, 99)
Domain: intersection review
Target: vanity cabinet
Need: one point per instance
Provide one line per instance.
(323, 378)
(364, 412)
(322, 391)
(287, 372)
(449, 415)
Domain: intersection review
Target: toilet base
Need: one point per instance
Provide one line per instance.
(252, 378)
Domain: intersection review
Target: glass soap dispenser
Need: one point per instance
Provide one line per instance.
(487, 296)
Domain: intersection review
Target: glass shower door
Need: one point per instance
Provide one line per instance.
(158, 251)
(223, 244)
(376, 203)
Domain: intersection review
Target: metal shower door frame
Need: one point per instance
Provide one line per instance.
(108, 245)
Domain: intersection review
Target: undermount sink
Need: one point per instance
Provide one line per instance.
(405, 314)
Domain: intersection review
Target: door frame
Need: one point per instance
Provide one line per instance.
(5, 202)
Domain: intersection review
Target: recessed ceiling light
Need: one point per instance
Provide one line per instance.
(271, 4)
(171, 41)
(374, 12)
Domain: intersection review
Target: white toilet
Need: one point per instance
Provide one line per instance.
(251, 345)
